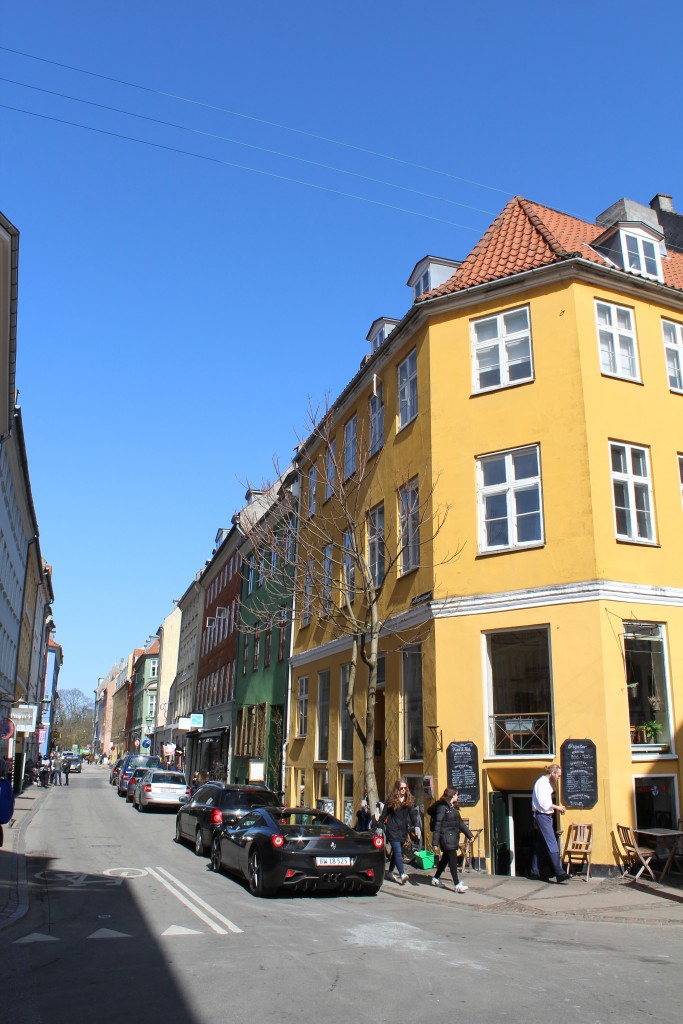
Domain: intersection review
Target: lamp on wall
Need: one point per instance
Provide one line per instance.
(437, 733)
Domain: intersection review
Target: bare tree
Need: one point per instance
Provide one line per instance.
(333, 557)
(73, 718)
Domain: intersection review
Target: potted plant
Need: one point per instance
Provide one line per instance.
(652, 731)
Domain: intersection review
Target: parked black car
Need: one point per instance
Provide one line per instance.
(299, 848)
(218, 803)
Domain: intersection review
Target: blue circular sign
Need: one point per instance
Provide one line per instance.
(147, 743)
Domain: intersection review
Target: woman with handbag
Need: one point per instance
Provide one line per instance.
(398, 817)
(446, 830)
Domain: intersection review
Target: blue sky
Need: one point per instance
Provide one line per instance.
(177, 311)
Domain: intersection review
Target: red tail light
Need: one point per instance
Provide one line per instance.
(278, 841)
(147, 788)
(290, 872)
(378, 842)
(188, 791)
(216, 817)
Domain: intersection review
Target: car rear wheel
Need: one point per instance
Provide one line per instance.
(216, 859)
(142, 807)
(178, 832)
(199, 844)
(255, 872)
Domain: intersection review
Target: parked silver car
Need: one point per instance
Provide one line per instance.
(161, 788)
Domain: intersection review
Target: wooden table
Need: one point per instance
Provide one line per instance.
(668, 837)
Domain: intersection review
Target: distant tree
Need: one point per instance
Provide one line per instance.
(334, 562)
(73, 718)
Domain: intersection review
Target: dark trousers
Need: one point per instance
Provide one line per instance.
(448, 858)
(66, 778)
(545, 847)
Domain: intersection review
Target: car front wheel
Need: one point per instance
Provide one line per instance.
(178, 832)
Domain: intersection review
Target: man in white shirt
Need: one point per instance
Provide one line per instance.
(545, 840)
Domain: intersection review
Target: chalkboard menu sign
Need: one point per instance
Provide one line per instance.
(462, 771)
(579, 765)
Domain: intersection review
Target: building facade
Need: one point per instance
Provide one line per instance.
(526, 499)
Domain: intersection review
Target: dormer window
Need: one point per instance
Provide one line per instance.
(380, 331)
(429, 273)
(641, 255)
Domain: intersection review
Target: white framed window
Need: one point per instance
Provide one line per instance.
(308, 594)
(647, 683)
(377, 417)
(345, 723)
(617, 341)
(323, 739)
(510, 499)
(409, 519)
(348, 567)
(422, 284)
(632, 491)
(154, 668)
(673, 350)
(312, 484)
(501, 350)
(250, 582)
(302, 707)
(330, 469)
(376, 543)
(407, 389)
(411, 703)
(328, 578)
(641, 255)
(350, 446)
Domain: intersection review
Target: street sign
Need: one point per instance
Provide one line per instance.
(136, 743)
(146, 743)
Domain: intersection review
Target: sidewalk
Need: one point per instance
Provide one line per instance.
(602, 899)
(617, 899)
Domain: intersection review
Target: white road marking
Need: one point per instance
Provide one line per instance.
(35, 937)
(219, 917)
(108, 933)
(191, 906)
(176, 929)
(125, 872)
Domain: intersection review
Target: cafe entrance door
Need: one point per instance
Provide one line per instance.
(512, 833)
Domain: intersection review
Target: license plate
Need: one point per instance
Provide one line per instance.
(333, 862)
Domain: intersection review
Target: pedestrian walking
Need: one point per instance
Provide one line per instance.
(398, 817)
(363, 817)
(67, 770)
(447, 824)
(546, 851)
(57, 769)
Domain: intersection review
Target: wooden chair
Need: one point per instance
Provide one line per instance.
(578, 847)
(635, 854)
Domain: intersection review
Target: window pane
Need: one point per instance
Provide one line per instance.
(516, 321)
(486, 330)
(494, 471)
(673, 365)
(622, 510)
(519, 359)
(650, 258)
(624, 319)
(638, 462)
(412, 704)
(497, 534)
(619, 459)
(607, 359)
(604, 314)
(525, 464)
(528, 515)
(627, 359)
(632, 250)
(646, 683)
(488, 367)
(643, 519)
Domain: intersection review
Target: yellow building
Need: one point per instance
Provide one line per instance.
(535, 391)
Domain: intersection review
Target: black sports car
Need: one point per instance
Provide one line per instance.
(298, 848)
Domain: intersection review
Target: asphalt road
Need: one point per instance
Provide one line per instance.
(124, 924)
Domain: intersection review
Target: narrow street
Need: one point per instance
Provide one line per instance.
(124, 922)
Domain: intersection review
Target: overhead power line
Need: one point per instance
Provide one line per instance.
(241, 167)
(247, 145)
(258, 120)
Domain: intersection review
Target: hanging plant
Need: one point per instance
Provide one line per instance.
(655, 702)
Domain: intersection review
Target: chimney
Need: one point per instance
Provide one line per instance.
(662, 204)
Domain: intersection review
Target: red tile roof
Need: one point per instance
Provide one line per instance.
(527, 236)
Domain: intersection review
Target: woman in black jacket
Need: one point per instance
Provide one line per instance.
(398, 817)
(446, 834)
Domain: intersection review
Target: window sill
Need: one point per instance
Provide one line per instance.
(376, 451)
(476, 392)
(400, 427)
(511, 550)
(637, 542)
(522, 756)
(619, 376)
(404, 573)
